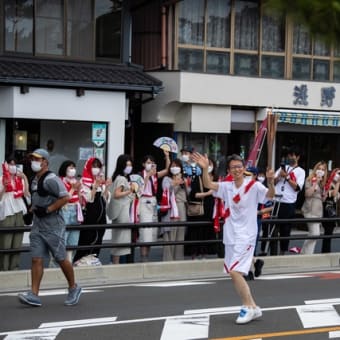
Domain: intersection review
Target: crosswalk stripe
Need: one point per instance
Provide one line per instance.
(318, 315)
(186, 328)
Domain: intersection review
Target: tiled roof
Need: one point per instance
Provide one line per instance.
(114, 77)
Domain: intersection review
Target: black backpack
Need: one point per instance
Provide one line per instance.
(40, 187)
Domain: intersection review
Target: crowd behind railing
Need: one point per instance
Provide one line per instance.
(168, 207)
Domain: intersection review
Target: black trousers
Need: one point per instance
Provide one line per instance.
(286, 210)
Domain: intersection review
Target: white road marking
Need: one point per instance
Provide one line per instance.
(222, 310)
(335, 301)
(197, 319)
(49, 331)
(185, 328)
(334, 335)
(173, 284)
(318, 315)
(281, 277)
(78, 323)
(56, 292)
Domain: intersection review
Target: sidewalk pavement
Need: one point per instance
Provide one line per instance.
(158, 271)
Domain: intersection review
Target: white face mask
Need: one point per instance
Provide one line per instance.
(175, 170)
(71, 172)
(261, 179)
(336, 177)
(95, 171)
(319, 173)
(128, 170)
(148, 166)
(12, 169)
(36, 166)
(210, 169)
(185, 158)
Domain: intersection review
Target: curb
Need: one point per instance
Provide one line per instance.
(159, 271)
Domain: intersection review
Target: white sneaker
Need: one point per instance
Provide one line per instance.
(246, 315)
(257, 312)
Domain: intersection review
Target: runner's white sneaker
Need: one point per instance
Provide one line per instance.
(257, 312)
(246, 315)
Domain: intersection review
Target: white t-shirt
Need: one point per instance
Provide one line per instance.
(282, 187)
(241, 226)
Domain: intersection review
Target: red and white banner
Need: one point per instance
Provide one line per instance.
(255, 151)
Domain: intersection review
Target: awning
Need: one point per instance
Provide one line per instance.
(311, 118)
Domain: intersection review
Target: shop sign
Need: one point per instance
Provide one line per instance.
(98, 133)
(300, 94)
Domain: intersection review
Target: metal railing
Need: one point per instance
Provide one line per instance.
(136, 244)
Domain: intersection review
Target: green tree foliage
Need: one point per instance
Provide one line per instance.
(321, 17)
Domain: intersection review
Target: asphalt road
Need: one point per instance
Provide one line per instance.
(296, 306)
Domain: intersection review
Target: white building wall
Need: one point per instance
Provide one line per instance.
(63, 104)
(206, 89)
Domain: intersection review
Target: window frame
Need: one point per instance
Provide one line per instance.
(64, 55)
(287, 54)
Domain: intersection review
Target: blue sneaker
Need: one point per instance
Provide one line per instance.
(30, 298)
(73, 296)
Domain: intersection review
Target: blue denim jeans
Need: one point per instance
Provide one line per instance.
(70, 215)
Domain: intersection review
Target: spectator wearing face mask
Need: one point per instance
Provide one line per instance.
(72, 211)
(95, 189)
(190, 168)
(289, 180)
(13, 188)
(196, 233)
(312, 206)
(174, 188)
(331, 197)
(148, 201)
(118, 210)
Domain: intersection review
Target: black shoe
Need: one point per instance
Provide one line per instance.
(258, 267)
(249, 277)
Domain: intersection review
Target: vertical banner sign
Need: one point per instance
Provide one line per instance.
(98, 134)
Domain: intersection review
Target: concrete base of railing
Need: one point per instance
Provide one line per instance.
(157, 271)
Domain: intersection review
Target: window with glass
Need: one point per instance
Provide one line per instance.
(273, 46)
(190, 60)
(301, 40)
(301, 68)
(62, 28)
(272, 66)
(246, 65)
(18, 32)
(239, 37)
(108, 29)
(218, 62)
(336, 71)
(246, 24)
(320, 70)
(204, 36)
(49, 27)
(191, 22)
(79, 29)
(218, 23)
(273, 33)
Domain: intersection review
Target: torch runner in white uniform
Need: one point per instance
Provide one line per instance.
(241, 197)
